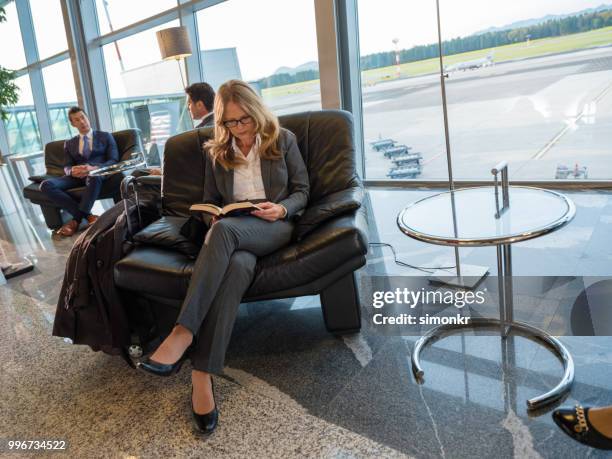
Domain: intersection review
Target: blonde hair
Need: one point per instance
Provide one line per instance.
(266, 124)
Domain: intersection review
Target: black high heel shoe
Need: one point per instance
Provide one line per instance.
(205, 424)
(575, 423)
(162, 369)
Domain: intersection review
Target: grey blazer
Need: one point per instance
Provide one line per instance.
(285, 180)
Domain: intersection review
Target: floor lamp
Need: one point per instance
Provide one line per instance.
(174, 44)
(8, 270)
(467, 276)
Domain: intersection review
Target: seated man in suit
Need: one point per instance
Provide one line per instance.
(84, 153)
(200, 101)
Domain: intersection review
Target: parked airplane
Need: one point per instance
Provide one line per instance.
(382, 144)
(473, 64)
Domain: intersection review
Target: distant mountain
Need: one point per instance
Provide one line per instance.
(313, 65)
(549, 17)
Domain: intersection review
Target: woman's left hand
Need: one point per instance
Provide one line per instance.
(270, 211)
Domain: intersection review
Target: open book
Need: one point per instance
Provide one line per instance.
(231, 210)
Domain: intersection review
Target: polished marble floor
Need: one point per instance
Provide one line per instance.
(293, 390)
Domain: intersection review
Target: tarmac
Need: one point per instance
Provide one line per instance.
(537, 114)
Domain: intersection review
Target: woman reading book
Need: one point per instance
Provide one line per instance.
(250, 159)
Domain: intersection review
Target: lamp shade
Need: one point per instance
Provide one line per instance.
(174, 43)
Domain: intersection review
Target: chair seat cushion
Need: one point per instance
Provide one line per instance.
(166, 233)
(155, 271)
(166, 273)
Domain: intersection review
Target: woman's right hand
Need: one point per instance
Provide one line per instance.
(214, 220)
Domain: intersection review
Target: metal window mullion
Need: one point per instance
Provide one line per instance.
(92, 71)
(28, 36)
(137, 27)
(56, 58)
(10, 185)
(156, 20)
(443, 183)
(327, 49)
(72, 54)
(40, 105)
(350, 72)
(193, 63)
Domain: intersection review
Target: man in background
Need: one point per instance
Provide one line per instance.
(200, 101)
(84, 153)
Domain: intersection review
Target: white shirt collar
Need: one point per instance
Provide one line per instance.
(88, 135)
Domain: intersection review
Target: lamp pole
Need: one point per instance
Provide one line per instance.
(471, 273)
(449, 161)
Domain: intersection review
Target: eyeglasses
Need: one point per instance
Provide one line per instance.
(233, 123)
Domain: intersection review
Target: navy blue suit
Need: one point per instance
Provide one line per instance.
(103, 153)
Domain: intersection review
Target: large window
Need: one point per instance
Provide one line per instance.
(61, 95)
(12, 57)
(22, 124)
(402, 104)
(115, 14)
(537, 94)
(279, 58)
(527, 82)
(48, 27)
(146, 92)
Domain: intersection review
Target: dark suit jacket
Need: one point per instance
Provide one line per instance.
(207, 121)
(103, 152)
(285, 180)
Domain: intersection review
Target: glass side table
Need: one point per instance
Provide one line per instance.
(472, 217)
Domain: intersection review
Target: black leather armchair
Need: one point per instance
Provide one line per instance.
(128, 141)
(330, 240)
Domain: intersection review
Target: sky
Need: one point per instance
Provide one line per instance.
(268, 34)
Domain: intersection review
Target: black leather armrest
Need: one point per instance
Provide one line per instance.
(337, 241)
(354, 222)
(149, 180)
(147, 187)
(330, 206)
(145, 194)
(166, 232)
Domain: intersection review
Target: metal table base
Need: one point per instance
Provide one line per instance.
(506, 324)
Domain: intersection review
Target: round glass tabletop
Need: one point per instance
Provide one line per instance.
(467, 217)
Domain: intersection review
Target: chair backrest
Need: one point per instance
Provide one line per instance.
(183, 179)
(128, 141)
(54, 158)
(325, 139)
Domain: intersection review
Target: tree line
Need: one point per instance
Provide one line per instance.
(550, 28)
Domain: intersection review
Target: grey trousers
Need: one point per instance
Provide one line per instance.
(222, 273)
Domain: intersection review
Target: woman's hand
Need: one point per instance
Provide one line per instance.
(270, 211)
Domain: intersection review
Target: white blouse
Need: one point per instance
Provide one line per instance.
(248, 183)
